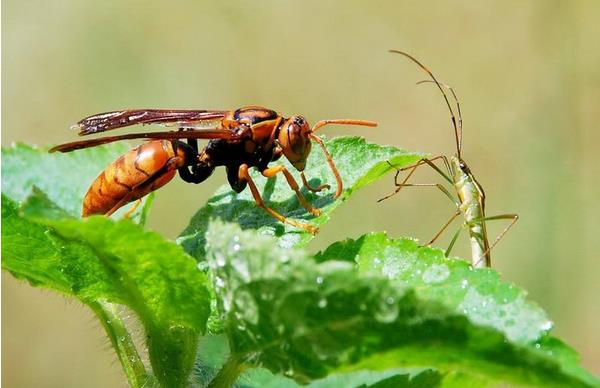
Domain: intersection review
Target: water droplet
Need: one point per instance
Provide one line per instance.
(322, 303)
(202, 266)
(246, 307)
(220, 259)
(387, 310)
(538, 346)
(437, 273)
(464, 284)
(236, 247)
(320, 279)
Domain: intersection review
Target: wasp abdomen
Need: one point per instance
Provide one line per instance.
(132, 176)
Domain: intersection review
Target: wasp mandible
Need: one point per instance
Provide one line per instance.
(239, 139)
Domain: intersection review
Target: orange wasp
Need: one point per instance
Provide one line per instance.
(239, 139)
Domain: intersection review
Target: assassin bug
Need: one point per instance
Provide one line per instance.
(238, 139)
(470, 197)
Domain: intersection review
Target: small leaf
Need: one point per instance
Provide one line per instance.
(292, 315)
(360, 163)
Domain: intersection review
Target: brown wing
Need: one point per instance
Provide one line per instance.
(123, 118)
(194, 134)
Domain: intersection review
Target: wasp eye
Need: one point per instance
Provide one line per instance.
(299, 121)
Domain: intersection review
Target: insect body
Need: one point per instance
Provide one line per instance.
(239, 139)
(470, 197)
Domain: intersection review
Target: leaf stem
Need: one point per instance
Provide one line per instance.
(122, 342)
(228, 374)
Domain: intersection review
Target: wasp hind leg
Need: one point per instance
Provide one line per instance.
(132, 209)
(244, 175)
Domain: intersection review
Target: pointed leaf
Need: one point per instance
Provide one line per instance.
(360, 163)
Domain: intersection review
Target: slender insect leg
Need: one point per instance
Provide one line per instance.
(271, 172)
(454, 238)
(438, 234)
(309, 187)
(412, 169)
(245, 175)
(438, 185)
(513, 217)
(133, 208)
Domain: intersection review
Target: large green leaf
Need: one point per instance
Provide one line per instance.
(97, 259)
(359, 162)
(292, 315)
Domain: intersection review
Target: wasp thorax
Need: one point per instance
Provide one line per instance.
(294, 141)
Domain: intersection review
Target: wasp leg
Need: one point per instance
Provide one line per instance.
(271, 172)
(132, 209)
(244, 175)
(313, 189)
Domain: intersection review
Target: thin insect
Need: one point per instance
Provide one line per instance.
(470, 197)
(239, 139)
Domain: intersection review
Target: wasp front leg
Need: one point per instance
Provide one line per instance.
(244, 176)
(272, 171)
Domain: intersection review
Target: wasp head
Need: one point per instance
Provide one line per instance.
(294, 141)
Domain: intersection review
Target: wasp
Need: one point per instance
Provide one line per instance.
(239, 139)
(470, 197)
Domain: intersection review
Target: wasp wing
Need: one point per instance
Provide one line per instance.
(123, 118)
(171, 135)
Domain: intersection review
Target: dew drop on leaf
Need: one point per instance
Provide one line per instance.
(437, 273)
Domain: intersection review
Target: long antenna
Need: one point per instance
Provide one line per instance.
(460, 119)
(457, 136)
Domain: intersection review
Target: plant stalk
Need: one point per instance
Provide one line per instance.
(122, 343)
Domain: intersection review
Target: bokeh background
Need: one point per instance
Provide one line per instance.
(527, 73)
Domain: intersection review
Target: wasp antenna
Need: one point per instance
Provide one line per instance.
(336, 173)
(322, 123)
(457, 134)
(459, 113)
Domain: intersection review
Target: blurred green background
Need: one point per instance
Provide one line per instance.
(527, 73)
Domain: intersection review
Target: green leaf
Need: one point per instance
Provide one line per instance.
(395, 378)
(97, 259)
(63, 177)
(478, 294)
(360, 163)
(292, 315)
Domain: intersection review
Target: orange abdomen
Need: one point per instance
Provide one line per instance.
(132, 176)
